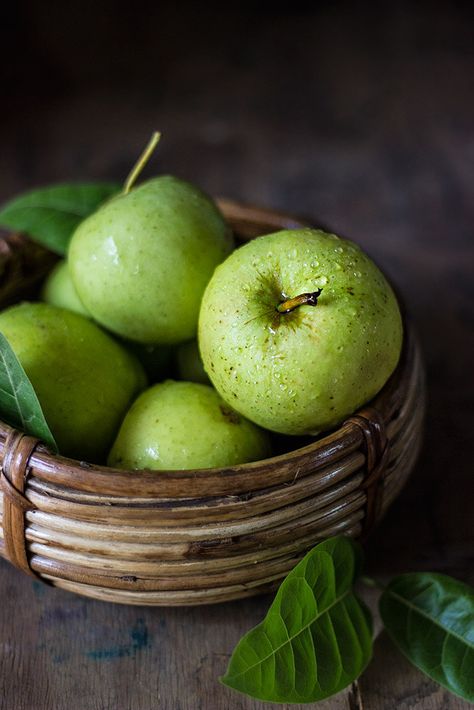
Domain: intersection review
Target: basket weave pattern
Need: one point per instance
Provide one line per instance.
(195, 537)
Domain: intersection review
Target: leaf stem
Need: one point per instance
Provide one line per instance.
(371, 582)
(141, 162)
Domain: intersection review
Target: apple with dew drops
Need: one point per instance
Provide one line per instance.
(141, 262)
(298, 329)
(185, 425)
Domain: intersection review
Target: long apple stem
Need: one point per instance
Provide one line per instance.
(304, 299)
(141, 162)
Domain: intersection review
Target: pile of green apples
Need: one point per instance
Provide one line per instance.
(294, 330)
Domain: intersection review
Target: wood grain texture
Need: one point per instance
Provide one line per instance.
(391, 681)
(68, 651)
(362, 118)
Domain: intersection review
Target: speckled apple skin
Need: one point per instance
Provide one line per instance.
(300, 372)
(84, 380)
(183, 425)
(58, 290)
(140, 264)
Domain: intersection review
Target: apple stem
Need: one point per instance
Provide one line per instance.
(141, 162)
(304, 299)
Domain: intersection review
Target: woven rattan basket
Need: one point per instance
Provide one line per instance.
(195, 537)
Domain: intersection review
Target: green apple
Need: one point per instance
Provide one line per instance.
(298, 329)
(182, 425)
(140, 264)
(84, 380)
(58, 290)
(189, 364)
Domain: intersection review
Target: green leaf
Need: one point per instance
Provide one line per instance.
(317, 636)
(19, 405)
(430, 617)
(50, 215)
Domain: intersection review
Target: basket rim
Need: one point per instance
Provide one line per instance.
(327, 448)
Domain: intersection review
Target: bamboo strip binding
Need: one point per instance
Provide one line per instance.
(195, 537)
(14, 472)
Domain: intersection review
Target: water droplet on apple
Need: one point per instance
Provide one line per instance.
(322, 281)
(339, 250)
(112, 250)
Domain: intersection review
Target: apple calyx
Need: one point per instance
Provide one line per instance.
(304, 299)
(141, 162)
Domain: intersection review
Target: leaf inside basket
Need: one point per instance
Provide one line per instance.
(316, 638)
(19, 404)
(50, 215)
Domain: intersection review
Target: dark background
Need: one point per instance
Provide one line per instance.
(360, 116)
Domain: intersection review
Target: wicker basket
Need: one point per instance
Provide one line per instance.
(195, 537)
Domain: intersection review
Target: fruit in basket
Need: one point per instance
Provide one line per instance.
(84, 380)
(58, 290)
(298, 329)
(182, 425)
(140, 264)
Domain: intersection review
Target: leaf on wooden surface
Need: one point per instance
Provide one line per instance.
(50, 215)
(430, 617)
(19, 405)
(317, 636)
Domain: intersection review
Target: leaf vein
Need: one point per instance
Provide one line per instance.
(294, 636)
(413, 608)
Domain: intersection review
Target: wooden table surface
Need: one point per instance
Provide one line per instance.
(361, 121)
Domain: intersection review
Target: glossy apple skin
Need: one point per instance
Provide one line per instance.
(300, 372)
(185, 425)
(84, 380)
(140, 264)
(59, 290)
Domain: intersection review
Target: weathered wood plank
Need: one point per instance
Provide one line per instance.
(392, 682)
(59, 650)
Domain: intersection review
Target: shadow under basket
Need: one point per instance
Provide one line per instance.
(199, 536)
